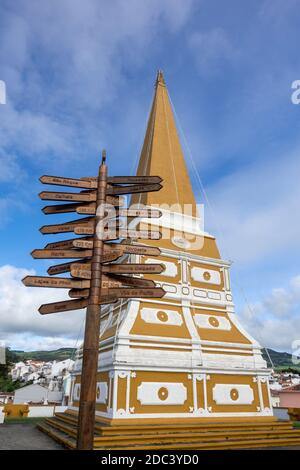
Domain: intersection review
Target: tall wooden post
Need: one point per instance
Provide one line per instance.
(86, 420)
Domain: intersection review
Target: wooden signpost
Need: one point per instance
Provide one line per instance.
(96, 276)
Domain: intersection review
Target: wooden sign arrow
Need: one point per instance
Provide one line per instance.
(120, 292)
(65, 267)
(106, 298)
(84, 229)
(82, 243)
(132, 249)
(115, 234)
(81, 293)
(135, 188)
(83, 272)
(65, 227)
(131, 281)
(134, 179)
(79, 197)
(87, 243)
(44, 254)
(131, 268)
(63, 306)
(148, 213)
(62, 245)
(62, 208)
(66, 244)
(61, 181)
(126, 179)
(57, 282)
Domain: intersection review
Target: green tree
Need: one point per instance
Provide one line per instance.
(6, 383)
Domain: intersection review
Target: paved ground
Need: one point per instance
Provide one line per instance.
(25, 437)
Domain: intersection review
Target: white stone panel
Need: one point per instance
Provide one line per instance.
(161, 316)
(171, 269)
(101, 392)
(233, 394)
(209, 276)
(161, 393)
(212, 322)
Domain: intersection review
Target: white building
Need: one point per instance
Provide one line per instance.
(36, 393)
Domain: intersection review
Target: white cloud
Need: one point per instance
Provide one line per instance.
(256, 209)
(275, 320)
(69, 63)
(21, 324)
(211, 50)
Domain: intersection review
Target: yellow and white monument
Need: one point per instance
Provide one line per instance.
(182, 362)
(183, 357)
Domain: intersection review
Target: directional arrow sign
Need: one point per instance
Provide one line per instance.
(131, 268)
(135, 249)
(75, 293)
(84, 230)
(81, 272)
(126, 179)
(82, 243)
(148, 213)
(65, 227)
(63, 306)
(44, 254)
(62, 245)
(59, 282)
(106, 298)
(65, 267)
(62, 208)
(56, 196)
(134, 179)
(156, 292)
(60, 181)
(66, 244)
(131, 281)
(115, 234)
(136, 188)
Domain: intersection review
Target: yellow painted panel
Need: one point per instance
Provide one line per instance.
(231, 379)
(163, 377)
(214, 334)
(140, 327)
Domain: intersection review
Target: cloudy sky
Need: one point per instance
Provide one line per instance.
(80, 76)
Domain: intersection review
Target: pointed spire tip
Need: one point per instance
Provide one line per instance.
(160, 78)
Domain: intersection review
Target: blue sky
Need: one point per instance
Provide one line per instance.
(80, 77)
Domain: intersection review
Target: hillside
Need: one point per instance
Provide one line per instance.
(54, 355)
(280, 359)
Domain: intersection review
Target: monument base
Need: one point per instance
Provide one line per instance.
(192, 434)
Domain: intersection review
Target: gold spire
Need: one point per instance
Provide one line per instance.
(162, 154)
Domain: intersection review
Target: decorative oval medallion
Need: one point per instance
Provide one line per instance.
(163, 393)
(234, 394)
(162, 316)
(213, 321)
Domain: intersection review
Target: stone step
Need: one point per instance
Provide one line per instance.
(225, 438)
(163, 428)
(57, 435)
(221, 445)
